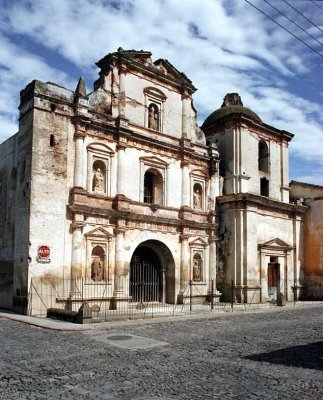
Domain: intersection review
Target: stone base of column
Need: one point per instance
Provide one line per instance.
(120, 302)
(180, 297)
(76, 287)
(185, 212)
(297, 291)
(249, 294)
(122, 122)
(213, 297)
(120, 203)
(73, 302)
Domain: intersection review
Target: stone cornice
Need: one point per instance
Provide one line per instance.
(243, 200)
(138, 217)
(239, 120)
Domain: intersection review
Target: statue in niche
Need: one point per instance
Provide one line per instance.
(197, 199)
(197, 269)
(98, 181)
(97, 269)
(153, 117)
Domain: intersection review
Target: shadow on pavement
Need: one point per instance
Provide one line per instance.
(307, 356)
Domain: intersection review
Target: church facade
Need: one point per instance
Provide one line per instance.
(121, 189)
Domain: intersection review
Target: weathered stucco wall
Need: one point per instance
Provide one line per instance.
(8, 186)
(242, 235)
(311, 196)
(52, 170)
(136, 106)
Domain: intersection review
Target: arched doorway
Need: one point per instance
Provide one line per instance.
(145, 276)
(152, 273)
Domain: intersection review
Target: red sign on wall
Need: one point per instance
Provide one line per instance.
(43, 254)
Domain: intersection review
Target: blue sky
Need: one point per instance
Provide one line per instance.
(221, 45)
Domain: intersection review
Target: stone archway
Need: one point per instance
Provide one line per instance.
(152, 273)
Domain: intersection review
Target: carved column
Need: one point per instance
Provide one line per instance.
(185, 266)
(121, 169)
(119, 272)
(77, 249)
(185, 114)
(214, 171)
(185, 184)
(107, 262)
(263, 276)
(122, 92)
(78, 160)
(212, 259)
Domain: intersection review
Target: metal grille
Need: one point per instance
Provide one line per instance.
(145, 277)
(148, 187)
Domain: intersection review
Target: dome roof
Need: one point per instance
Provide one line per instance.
(232, 104)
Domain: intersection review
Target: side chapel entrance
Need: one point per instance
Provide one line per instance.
(276, 270)
(273, 276)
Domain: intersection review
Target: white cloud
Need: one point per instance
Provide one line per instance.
(17, 68)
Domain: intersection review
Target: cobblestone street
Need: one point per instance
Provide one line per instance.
(268, 354)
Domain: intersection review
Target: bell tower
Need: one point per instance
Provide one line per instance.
(254, 155)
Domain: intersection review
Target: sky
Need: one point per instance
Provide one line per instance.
(223, 46)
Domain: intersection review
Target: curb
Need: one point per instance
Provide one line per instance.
(62, 326)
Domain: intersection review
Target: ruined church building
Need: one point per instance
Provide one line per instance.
(120, 190)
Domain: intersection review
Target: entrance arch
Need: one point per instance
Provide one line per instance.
(152, 273)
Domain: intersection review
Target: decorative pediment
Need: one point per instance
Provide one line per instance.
(199, 242)
(168, 69)
(100, 148)
(134, 59)
(200, 173)
(99, 233)
(275, 244)
(155, 93)
(154, 162)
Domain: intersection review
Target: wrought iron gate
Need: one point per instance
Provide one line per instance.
(145, 276)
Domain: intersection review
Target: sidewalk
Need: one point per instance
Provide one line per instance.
(44, 322)
(62, 326)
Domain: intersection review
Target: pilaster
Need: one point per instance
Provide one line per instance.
(77, 250)
(78, 161)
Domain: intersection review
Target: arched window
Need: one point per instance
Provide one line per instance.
(153, 187)
(263, 159)
(99, 183)
(153, 117)
(98, 261)
(264, 187)
(197, 196)
(197, 267)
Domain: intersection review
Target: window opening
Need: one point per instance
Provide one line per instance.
(153, 187)
(264, 187)
(52, 141)
(263, 160)
(148, 187)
